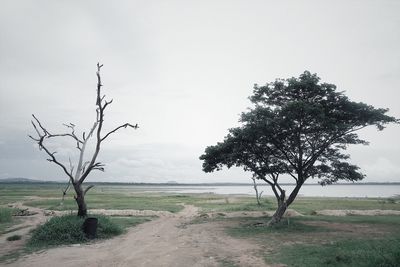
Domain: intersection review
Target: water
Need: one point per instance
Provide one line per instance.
(352, 190)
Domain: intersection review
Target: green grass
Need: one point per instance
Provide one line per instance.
(239, 204)
(304, 205)
(10, 193)
(390, 220)
(360, 252)
(307, 205)
(298, 244)
(5, 215)
(294, 242)
(251, 227)
(6, 219)
(131, 197)
(67, 229)
(114, 201)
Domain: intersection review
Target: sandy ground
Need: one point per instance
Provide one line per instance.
(169, 240)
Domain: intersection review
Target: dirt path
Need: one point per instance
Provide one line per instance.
(166, 241)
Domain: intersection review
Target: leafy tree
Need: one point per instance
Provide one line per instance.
(299, 127)
(76, 176)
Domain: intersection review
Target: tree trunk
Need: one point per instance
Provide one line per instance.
(283, 204)
(280, 211)
(80, 200)
(258, 196)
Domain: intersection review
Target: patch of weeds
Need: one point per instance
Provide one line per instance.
(58, 231)
(14, 238)
(67, 229)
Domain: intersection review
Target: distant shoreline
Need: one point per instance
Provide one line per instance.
(32, 181)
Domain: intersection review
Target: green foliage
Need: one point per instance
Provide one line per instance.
(14, 238)
(58, 230)
(298, 127)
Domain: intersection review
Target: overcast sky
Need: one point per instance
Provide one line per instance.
(183, 70)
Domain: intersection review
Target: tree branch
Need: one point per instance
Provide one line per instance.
(87, 189)
(119, 127)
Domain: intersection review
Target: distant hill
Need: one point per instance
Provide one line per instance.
(19, 180)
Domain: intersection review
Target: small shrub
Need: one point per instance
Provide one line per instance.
(14, 237)
(68, 230)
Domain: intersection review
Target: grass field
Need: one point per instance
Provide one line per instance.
(316, 240)
(326, 240)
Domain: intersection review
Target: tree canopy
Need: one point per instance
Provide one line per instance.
(299, 127)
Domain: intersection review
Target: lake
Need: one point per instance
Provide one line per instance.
(309, 190)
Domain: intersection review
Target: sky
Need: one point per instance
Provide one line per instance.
(183, 70)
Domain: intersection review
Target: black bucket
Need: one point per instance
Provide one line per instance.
(90, 227)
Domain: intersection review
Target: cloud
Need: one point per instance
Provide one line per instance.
(383, 169)
(183, 71)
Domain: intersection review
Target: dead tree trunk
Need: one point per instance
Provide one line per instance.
(258, 195)
(83, 168)
(80, 200)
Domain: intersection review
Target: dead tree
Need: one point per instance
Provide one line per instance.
(258, 195)
(76, 176)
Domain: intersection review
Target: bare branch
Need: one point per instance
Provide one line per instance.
(107, 103)
(64, 192)
(98, 166)
(119, 127)
(41, 144)
(87, 189)
(71, 167)
(80, 169)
